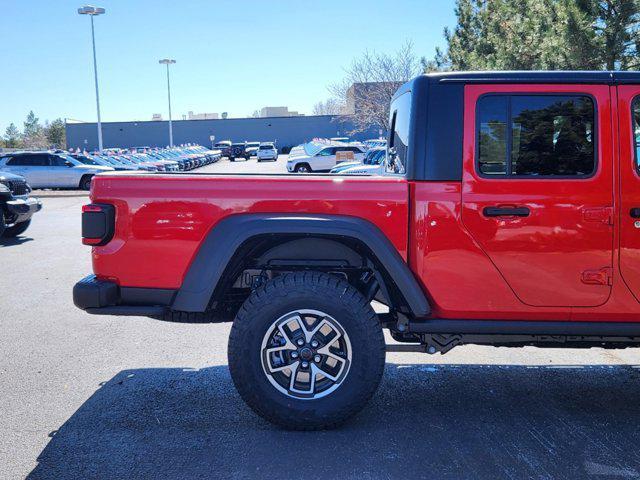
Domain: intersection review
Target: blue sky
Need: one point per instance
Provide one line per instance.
(233, 55)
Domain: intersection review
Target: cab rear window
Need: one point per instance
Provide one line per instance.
(535, 135)
(635, 116)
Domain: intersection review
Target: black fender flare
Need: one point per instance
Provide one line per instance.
(224, 239)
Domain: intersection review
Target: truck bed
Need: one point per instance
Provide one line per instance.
(177, 211)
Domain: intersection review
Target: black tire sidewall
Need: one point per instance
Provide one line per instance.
(363, 376)
(85, 183)
(17, 229)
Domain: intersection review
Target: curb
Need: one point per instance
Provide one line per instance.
(61, 194)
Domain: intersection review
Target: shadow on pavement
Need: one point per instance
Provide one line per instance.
(426, 421)
(9, 242)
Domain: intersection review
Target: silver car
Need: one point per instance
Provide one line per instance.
(51, 170)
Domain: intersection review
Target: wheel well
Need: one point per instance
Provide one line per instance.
(261, 258)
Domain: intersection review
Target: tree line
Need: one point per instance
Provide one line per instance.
(35, 135)
(498, 35)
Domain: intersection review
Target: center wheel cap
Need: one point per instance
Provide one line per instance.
(306, 353)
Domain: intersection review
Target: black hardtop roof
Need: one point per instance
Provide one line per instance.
(537, 76)
(524, 76)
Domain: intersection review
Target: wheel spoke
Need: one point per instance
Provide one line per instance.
(291, 366)
(321, 324)
(294, 374)
(287, 346)
(312, 383)
(325, 350)
(318, 369)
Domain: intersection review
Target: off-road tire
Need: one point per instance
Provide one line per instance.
(306, 290)
(17, 229)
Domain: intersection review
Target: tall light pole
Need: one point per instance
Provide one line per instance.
(92, 12)
(167, 62)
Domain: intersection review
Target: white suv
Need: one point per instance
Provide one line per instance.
(267, 151)
(321, 158)
(51, 170)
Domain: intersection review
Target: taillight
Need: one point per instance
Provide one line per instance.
(98, 223)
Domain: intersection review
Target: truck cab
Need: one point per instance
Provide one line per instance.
(508, 214)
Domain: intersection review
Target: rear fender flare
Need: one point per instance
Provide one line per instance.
(228, 235)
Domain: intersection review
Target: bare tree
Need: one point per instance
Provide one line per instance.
(331, 106)
(370, 82)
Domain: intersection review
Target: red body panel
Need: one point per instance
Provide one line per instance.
(161, 220)
(575, 257)
(630, 192)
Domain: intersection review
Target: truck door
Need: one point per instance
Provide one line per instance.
(629, 125)
(537, 190)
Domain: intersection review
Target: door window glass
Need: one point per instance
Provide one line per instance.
(58, 161)
(536, 135)
(327, 152)
(492, 135)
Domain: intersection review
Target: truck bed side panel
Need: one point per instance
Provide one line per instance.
(161, 220)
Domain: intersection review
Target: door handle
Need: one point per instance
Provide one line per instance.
(506, 211)
(635, 212)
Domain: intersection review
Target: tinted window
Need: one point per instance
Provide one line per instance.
(635, 115)
(536, 135)
(327, 152)
(399, 135)
(492, 135)
(29, 161)
(58, 161)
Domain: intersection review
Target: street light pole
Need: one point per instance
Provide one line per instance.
(92, 12)
(167, 62)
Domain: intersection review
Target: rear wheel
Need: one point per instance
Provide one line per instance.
(85, 182)
(17, 229)
(306, 351)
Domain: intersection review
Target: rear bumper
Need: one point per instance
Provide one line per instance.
(24, 208)
(103, 297)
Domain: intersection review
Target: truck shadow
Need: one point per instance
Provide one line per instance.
(426, 421)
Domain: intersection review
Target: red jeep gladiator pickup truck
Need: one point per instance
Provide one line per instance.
(509, 215)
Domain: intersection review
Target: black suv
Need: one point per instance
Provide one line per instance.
(16, 207)
(238, 150)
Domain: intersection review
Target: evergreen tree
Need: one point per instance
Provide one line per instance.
(542, 34)
(33, 134)
(55, 133)
(12, 137)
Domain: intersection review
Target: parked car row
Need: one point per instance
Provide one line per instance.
(246, 150)
(61, 169)
(175, 159)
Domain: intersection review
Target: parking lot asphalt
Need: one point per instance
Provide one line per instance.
(84, 396)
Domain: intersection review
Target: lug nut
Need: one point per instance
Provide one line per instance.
(314, 344)
(317, 358)
(300, 342)
(294, 354)
(305, 364)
